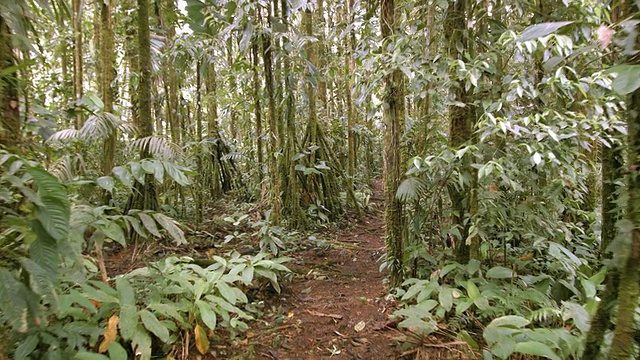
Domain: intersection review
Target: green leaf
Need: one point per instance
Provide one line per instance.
(207, 315)
(116, 351)
(137, 172)
(106, 182)
(473, 266)
(26, 348)
(540, 30)
(149, 224)
(176, 173)
(510, 320)
(172, 228)
(499, 272)
(627, 79)
(123, 175)
(536, 349)
(152, 324)
(90, 356)
(128, 311)
(141, 342)
(472, 290)
(445, 297)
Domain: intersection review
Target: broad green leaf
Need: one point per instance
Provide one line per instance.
(499, 272)
(116, 351)
(90, 356)
(536, 349)
(152, 324)
(172, 228)
(123, 175)
(149, 224)
(207, 315)
(126, 294)
(509, 320)
(226, 291)
(540, 30)
(137, 171)
(472, 290)
(128, 311)
(504, 348)
(176, 173)
(445, 297)
(627, 79)
(106, 182)
(473, 266)
(141, 342)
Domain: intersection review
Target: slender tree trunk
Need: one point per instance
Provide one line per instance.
(275, 194)
(10, 133)
(257, 109)
(77, 59)
(394, 112)
(352, 135)
(144, 195)
(460, 132)
(107, 75)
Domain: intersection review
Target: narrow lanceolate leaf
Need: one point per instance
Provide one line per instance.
(152, 324)
(540, 30)
(202, 342)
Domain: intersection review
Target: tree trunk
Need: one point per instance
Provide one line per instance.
(77, 59)
(275, 194)
(394, 112)
(629, 289)
(107, 75)
(10, 133)
(144, 195)
(460, 132)
(257, 109)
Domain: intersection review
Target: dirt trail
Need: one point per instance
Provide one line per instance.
(334, 307)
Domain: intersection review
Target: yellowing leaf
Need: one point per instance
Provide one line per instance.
(359, 326)
(110, 333)
(202, 342)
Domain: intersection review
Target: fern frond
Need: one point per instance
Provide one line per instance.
(545, 314)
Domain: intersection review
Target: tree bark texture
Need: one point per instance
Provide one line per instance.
(10, 133)
(394, 112)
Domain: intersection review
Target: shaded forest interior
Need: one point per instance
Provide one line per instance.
(412, 179)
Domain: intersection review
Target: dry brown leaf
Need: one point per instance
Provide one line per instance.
(109, 334)
(202, 341)
(359, 326)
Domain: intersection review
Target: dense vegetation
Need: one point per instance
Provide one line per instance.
(506, 133)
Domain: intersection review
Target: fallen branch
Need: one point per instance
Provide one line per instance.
(333, 316)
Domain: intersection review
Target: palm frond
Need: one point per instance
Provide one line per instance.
(411, 188)
(159, 148)
(97, 128)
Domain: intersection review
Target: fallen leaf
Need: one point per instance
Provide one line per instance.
(359, 326)
(202, 342)
(305, 291)
(109, 334)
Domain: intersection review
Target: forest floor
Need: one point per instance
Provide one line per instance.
(334, 305)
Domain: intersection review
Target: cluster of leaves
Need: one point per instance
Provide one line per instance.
(469, 297)
(58, 312)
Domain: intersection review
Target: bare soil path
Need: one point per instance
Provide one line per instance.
(334, 307)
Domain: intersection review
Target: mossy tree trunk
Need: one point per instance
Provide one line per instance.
(275, 196)
(144, 195)
(462, 118)
(10, 133)
(394, 112)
